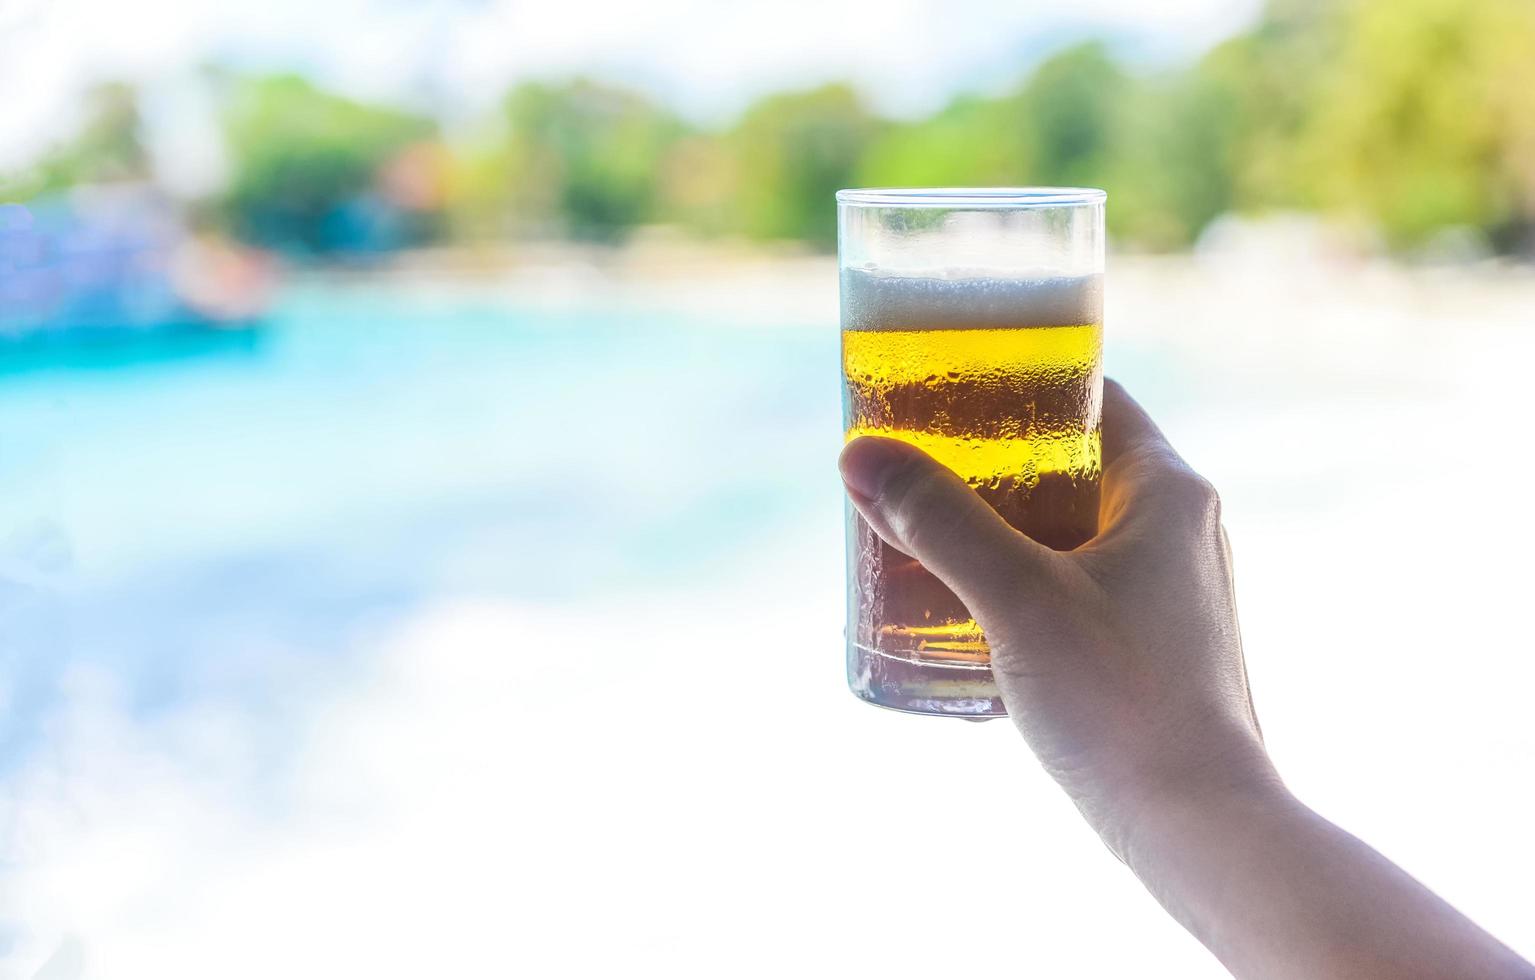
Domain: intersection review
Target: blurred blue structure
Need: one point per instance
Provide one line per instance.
(116, 265)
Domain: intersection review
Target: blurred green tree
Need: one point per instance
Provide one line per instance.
(1071, 113)
(971, 142)
(792, 153)
(1172, 171)
(698, 181)
(1269, 82)
(1062, 126)
(1428, 108)
(578, 158)
(304, 161)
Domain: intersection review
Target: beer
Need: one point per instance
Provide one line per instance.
(999, 379)
(972, 328)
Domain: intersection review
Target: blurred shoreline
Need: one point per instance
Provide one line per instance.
(1260, 273)
(736, 282)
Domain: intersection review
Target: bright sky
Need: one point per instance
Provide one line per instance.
(706, 56)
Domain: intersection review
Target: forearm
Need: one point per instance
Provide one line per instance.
(1274, 890)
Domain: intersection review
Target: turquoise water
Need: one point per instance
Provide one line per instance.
(215, 520)
(211, 522)
(490, 630)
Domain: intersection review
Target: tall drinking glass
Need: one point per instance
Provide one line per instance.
(972, 327)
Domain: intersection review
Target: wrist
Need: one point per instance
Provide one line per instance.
(1160, 805)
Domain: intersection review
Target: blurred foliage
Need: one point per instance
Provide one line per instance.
(580, 158)
(971, 141)
(1174, 172)
(1072, 115)
(107, 147)
(1409, 118)
(305, 166)
(1429, 118)
(791, 154)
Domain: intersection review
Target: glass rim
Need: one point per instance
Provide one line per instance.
(972, 198)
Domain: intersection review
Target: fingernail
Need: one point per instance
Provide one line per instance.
(868, 463)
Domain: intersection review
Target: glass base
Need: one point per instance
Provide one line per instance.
(923, 687)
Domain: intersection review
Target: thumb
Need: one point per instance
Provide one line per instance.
(922, 508)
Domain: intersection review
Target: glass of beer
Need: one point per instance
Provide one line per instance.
(972, 328)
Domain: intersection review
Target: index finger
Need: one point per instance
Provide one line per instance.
(1142, 473)
(1126, 426)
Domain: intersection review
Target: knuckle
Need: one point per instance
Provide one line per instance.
(1192, 496)
(1201, 492)
(1143, 465)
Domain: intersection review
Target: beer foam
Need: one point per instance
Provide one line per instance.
(959, 299)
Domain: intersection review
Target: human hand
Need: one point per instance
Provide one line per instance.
(1120, 662)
